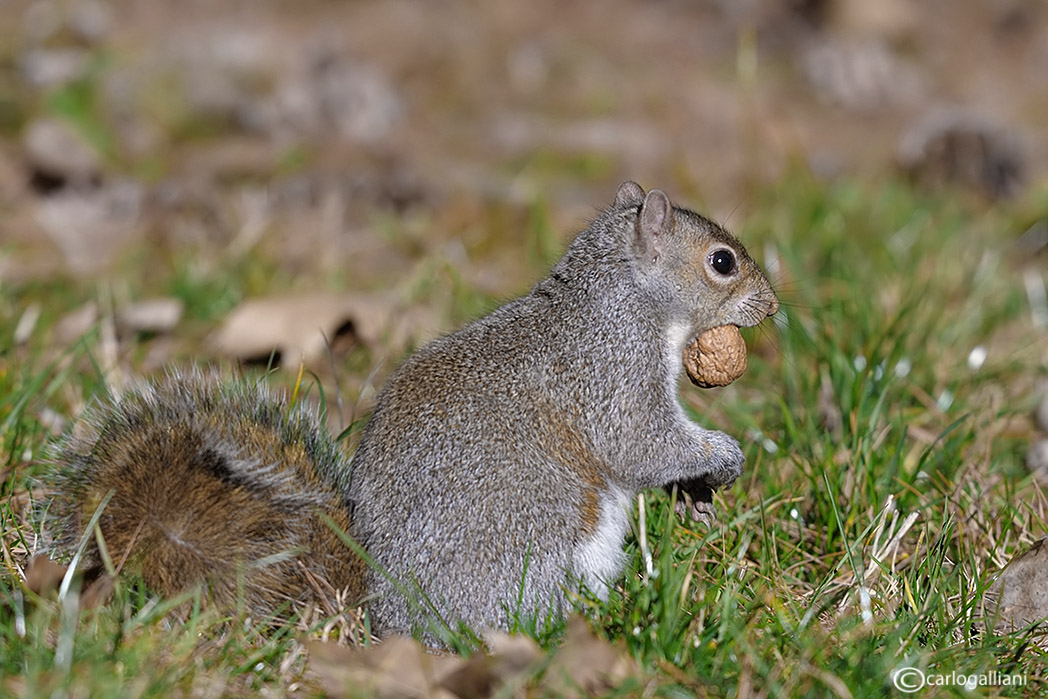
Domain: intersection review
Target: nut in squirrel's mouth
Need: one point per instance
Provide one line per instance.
(716, 357)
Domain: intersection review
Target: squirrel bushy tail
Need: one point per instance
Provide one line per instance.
(213, 483)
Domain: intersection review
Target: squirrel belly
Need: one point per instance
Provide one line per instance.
(600, 558)
(497, 471)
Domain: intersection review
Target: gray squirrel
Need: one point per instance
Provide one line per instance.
(498, 470)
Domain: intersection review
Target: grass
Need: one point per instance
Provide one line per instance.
(884, 486)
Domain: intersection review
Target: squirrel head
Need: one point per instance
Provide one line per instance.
(701, 271)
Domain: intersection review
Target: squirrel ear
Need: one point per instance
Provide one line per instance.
(629, 194)
(656, 218)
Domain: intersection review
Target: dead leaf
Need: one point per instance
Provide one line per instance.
(957, 146)
(476, 678)
(43, 575)
(56, 151)
(159, 315)
(512, 661)
(26, 324)
(90, 228)
(397, 667)
(75, 324)
(97, 592)
(515, 653)
(893, 20)
(586, 664)
(296, 326)
(1019, 595)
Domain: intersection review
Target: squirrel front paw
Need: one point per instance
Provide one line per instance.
(723, 461)
(695, 501)
(721, 464)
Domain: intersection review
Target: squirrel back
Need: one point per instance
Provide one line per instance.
(496, 474)
(210, 482)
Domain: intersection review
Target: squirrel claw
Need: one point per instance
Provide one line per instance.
(695, 500)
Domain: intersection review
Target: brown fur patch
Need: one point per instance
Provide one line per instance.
(569, 447)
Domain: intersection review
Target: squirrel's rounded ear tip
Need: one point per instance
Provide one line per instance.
(630, 194)
(657, 195)
(657, 209)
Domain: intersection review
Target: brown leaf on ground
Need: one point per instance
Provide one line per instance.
(586, 664)
(951, 146)
(75, 324)
(159, 315)
(1019, 595)
(97, 592)
(402, 667)
(55, 151)
(397, 667)
(512, 661)
(91, 228)
(43, 575)
(300, 327)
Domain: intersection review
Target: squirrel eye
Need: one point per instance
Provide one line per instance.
(723, 261)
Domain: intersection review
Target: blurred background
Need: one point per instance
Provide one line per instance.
(389, 169)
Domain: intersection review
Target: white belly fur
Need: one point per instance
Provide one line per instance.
(600, 558)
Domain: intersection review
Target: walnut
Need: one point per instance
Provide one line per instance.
(716, 357)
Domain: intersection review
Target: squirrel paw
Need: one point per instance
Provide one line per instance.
(724, 461)
(721, 466)
(695, 500)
